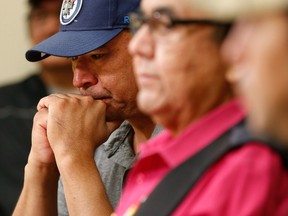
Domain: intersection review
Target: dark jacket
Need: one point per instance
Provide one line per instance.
(17, 107)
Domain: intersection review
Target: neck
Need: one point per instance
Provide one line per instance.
(143, 128)
(179, 119)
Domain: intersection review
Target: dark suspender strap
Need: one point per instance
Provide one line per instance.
(241, 135)
(173, 188)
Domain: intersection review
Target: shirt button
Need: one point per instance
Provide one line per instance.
(140, 178)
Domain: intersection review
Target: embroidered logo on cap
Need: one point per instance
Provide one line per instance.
(69, 10)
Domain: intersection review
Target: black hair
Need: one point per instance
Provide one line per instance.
(34, 3)
(221, 32)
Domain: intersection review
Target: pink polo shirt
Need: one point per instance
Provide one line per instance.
(249, 181)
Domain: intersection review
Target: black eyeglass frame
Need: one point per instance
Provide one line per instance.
(172, 21)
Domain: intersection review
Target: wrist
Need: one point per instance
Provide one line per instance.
(71, 163)
(42, 174)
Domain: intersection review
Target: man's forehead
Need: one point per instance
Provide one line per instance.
(149, 6)
(180, 8)
(161, 9)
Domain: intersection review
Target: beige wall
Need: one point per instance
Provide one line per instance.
(14, 41)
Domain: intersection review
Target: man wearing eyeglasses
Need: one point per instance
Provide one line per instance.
(182, 85)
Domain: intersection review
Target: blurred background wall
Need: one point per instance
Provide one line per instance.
(14, 41)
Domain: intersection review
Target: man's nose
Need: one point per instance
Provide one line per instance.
(83, 75)
(235, 45)
(142, 43)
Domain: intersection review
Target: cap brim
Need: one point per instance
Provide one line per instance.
(71, 43)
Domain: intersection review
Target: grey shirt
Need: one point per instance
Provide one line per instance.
(113, 159)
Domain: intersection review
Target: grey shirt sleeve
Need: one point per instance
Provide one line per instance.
(62, 207)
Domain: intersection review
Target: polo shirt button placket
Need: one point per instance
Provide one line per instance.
(140, 178)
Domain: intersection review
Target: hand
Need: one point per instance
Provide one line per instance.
(41, 151)
(39, 193)
(76, 125)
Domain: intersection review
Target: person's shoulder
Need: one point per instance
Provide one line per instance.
(247, 178)
(118, 137)
(10, 93)
(248, 149)
(253, 164)
(10, 86)
(25, 92)
(255, 157)
(17, 85)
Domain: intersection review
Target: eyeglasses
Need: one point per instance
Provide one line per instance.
(161, 21)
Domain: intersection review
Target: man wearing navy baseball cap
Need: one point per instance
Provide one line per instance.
(68, 128)
(85, 26)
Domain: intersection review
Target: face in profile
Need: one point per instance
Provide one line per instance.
(257, 49)
(106, 74)
(178, 69)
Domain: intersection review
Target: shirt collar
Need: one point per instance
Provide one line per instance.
(196, 136)
(122, 133)
(117, 138)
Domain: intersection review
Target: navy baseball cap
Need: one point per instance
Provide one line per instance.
(85, 26)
